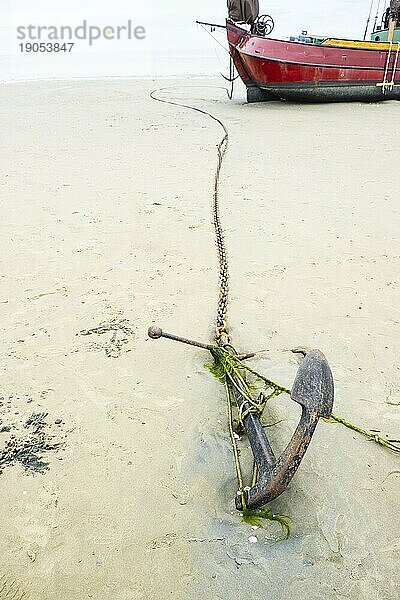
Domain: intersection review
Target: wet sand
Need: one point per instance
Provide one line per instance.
(106, 223)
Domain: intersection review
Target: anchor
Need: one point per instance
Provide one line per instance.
(313, 389)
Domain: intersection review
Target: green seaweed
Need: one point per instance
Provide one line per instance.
(255, 519)
(228, 368)
(373, 437)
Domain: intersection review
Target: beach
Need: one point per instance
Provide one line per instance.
(107, 229)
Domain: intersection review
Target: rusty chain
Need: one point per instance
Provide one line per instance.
(221, 332)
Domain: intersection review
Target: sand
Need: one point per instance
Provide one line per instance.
(106, 221)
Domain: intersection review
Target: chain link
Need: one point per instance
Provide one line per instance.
(222, 335)
(221, 331)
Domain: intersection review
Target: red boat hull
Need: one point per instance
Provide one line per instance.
(310, 72)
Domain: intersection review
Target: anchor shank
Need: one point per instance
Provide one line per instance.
(271, 485)
(260, 446)
(291, 458)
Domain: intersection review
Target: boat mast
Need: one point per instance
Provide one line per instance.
(368, 20)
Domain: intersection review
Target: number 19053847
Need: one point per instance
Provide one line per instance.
(46, 47)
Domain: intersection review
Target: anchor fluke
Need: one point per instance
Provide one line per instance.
(313, 387)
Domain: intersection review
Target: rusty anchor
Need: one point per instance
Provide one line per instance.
(313, 389)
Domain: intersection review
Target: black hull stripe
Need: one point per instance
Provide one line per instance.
(327, 93)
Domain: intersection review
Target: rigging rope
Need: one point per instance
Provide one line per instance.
(214, 38)
(377, 14)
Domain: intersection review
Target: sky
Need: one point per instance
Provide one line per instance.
(173, 43)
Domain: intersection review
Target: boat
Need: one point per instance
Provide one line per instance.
(311, 68)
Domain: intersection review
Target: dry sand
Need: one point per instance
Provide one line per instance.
(105, 204)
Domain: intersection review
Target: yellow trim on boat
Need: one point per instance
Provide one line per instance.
(384, 46)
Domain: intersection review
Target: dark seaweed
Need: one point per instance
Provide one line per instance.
(29, 448)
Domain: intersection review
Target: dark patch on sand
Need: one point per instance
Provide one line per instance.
(26, 441)
(120, 331)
